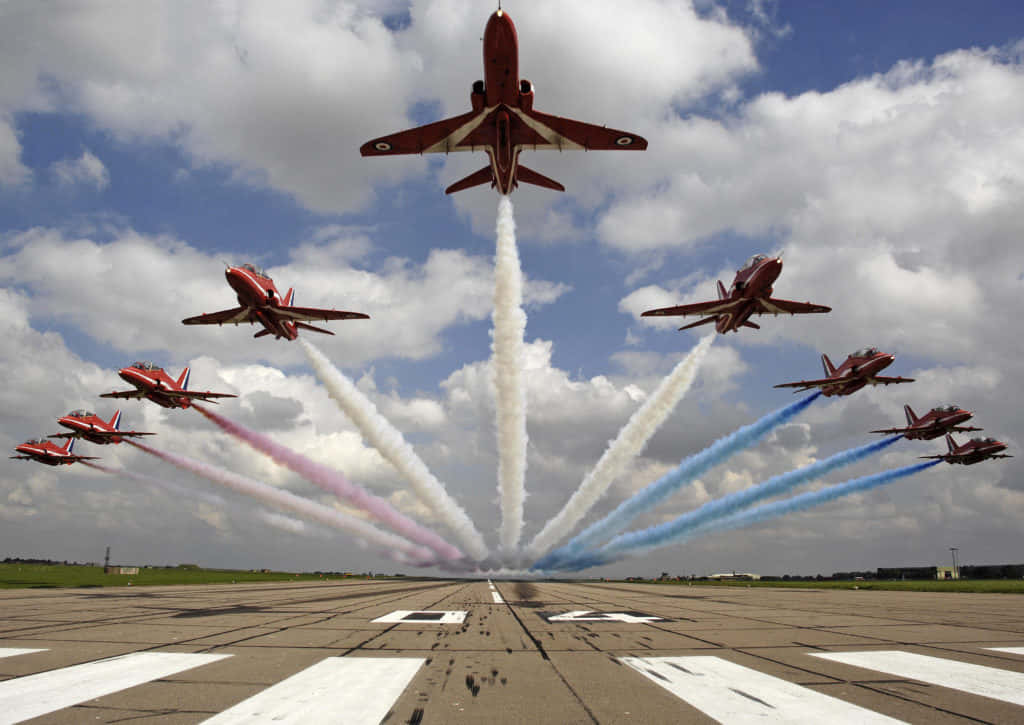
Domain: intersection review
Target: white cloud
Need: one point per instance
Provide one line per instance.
(87, 169)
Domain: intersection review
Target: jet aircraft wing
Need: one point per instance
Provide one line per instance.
(102, 433)
(773, 306)
(567, 133)
(808, 384)
(233, 316)
(126, 394)
(883, 380)
(438, 137)
(312, 313)
(196, 395)
(697, 308)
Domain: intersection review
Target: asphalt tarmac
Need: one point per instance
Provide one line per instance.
(507, 652)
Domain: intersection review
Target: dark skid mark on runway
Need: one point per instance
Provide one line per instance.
(215, 611)
(751, 697)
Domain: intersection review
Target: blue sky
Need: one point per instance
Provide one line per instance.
(874, 144)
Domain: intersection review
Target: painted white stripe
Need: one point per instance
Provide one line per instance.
(353, 690)
(1010, 650)
(731, 693)
(23, 698)
(402, 615)
(497, 598)
(15, 651)
(975, 679)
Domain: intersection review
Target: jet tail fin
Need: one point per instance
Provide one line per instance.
(483, 176)
(911, 418)
(183, 379)
(289, 299)
(115, 422)
(529, 176)
(951, 443)
(304, 326)
(722, 294)
(830, 369)
(69, 446)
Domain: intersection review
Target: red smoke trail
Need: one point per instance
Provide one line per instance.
(394, 546)
(336, 483)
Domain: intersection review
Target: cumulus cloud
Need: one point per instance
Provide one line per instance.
(87, 170)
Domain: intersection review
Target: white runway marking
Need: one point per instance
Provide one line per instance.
(15, 651)
(975, 679)
(589, 616)
(23, 698)
(731, 693)
(1010, 650)
(409, 616)
(356, 690)
(497, 598)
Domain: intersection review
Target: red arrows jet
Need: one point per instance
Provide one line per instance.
(261, 303)
(503, 123)
(973, 451)
(934, 423)
(750, 294)
(88, 425)
(859, 369)
(41, 450)
(151, 381)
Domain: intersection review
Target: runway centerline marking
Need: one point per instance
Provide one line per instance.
(27, 697)
(409, 616)
(357, 690)
(975, 679)
(15, 651)
(731, 693)
(497, 598)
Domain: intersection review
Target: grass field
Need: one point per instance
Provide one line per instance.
(19, 576)
(989, 586)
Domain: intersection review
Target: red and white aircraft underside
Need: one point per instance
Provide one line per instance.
(973, 451)
(503, 123)
(858, 370)
(750, 294)
(49, 453)
(86, 424)
(936, 422)
(262, 304)
(152, 382)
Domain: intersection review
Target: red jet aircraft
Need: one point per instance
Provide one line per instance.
(750, 294)
(503, 123)
(88, 425)
(261, 303)
(934, 423)
(151, 381)
(858, 370)
(41, 450)
(973, 451)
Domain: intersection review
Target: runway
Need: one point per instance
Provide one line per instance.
(423, 651)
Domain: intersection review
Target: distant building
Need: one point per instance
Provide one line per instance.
(734, 577)
(946, 572)
(121, 570)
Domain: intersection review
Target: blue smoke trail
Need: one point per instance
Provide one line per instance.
(756, 515)
(691, 468)
(732, 503)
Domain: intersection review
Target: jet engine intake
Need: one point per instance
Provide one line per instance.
(525, 95)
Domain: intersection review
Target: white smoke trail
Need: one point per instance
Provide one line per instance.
(394, 546)
(643, 424)
(507, 369)
(392, 445)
